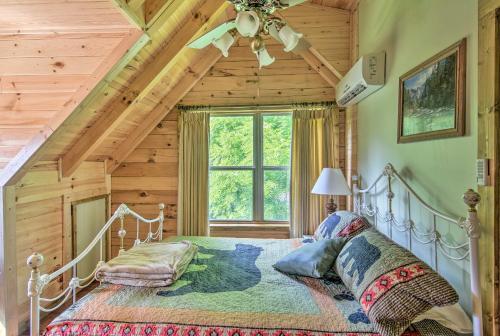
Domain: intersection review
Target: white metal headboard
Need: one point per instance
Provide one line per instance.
(470, 225)
(37, 282)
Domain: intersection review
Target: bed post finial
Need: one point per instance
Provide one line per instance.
(35, 261)
(472, 199)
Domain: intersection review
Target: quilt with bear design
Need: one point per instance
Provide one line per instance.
(229, 289)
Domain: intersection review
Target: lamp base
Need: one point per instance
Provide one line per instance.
(330, 206)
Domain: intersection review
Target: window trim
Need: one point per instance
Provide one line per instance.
(257, 169)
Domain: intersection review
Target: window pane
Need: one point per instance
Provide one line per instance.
(231, 141)
(276, 195)
(231, 195)
(277, 140)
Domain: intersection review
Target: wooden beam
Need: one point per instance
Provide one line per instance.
(351, 114)
(8, 262)
(320, 64)
(154, 8)
(192, 75)
(192, 24)
(489, 148)
(35, 149)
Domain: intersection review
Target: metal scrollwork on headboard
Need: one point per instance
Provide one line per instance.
(454, 251)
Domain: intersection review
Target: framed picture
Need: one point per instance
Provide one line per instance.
(432, 97)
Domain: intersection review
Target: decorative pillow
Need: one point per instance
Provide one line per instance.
(312, 260)
(341, 226)
(391, 284)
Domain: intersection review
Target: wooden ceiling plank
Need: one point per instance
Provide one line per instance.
(130, 14)
(36, 147)
(341, 4)
(192, 75)
(200, 20)
(321, 65)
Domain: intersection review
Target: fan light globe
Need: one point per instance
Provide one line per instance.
(247, 23)
(289, 37)
(264, 58)
(223, 43)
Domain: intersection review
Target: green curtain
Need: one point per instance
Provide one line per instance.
(314, 147)
(192, 212)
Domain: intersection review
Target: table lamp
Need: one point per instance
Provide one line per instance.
(333, 183)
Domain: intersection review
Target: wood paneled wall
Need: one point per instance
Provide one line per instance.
(43, 218)
(149, 176)
(489, 147)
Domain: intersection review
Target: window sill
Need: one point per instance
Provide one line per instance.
(255, 225)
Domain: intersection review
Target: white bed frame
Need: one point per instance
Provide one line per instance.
(470, 225)
(37, 282)
(469, 249)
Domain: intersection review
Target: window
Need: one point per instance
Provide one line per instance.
(250, 167)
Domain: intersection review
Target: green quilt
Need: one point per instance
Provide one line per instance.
(230, 288)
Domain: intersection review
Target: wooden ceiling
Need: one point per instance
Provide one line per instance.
(52, 52)
(153, 77)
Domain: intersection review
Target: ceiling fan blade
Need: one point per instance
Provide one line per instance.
(212, 35)
(291, 3)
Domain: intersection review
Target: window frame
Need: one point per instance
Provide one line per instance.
(257, 169)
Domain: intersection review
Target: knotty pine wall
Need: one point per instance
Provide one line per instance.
(43, 219)
(149, 176)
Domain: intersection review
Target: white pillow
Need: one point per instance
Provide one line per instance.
(452, 317)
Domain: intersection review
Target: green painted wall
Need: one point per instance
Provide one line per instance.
(411, 31)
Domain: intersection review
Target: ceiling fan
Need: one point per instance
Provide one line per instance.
(254, 20)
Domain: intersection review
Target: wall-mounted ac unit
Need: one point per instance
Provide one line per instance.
(365, 77)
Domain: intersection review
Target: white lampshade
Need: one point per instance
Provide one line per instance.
(289, 38)
(223, 43)
(264, 58)
(247, 23)
(331, 182)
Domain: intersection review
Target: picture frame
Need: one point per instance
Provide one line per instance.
(432, 97)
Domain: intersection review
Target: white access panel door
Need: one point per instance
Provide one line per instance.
(88, 219)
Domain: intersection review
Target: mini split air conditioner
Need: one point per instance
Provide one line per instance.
(365, 77)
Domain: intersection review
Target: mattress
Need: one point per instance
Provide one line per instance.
(229, 289)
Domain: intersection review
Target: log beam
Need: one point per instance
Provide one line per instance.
(197, 22)
(192, 74)
(320, 64)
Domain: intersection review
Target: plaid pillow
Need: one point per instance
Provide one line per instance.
(391, 284)
(341, 226)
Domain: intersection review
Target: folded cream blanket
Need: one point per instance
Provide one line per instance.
(148, 265)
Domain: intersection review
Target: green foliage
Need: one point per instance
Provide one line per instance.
(231, 145)
(276, 195)
(231, 195)
(231, 141)
(277, 140)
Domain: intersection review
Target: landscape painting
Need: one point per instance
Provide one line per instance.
(431, 102)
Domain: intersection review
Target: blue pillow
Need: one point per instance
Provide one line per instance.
(312, 260)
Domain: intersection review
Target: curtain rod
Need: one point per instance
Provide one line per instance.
(256, 108)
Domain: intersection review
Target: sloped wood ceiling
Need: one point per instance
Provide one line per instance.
(237, 80)
(51, 54)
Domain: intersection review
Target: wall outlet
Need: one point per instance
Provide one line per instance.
(483, 172)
